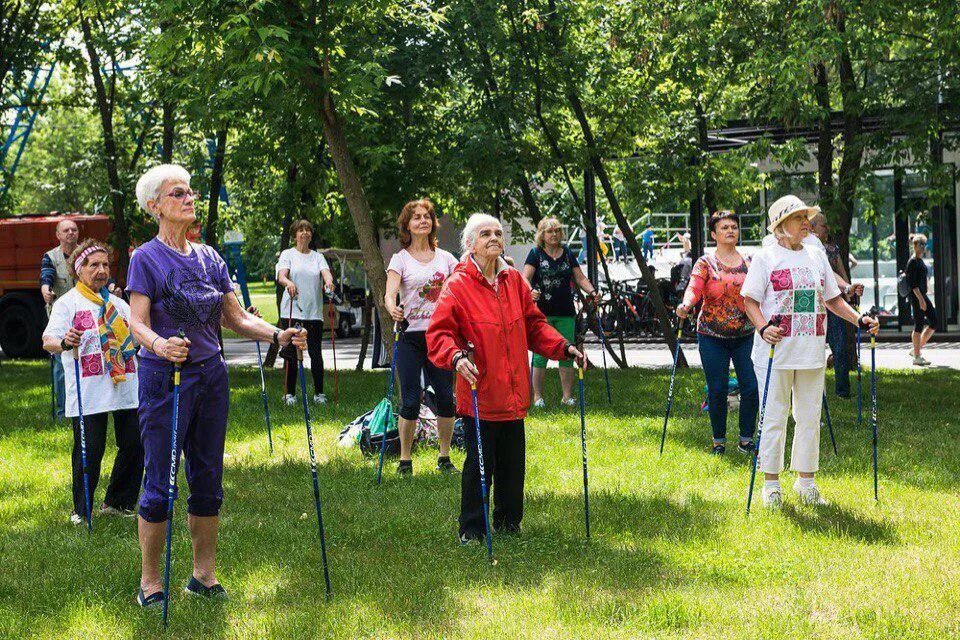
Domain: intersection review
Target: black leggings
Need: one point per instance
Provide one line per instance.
(411, 360)
(314, 348)
(922, 318)
(127, 474)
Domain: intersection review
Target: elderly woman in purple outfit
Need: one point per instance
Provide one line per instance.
(174, 285)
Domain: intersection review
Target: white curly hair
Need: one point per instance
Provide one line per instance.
(150, 183)
(469, 235)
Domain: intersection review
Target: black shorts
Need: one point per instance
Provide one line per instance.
(922, 318)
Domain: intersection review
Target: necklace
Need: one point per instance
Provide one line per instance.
(177, 249)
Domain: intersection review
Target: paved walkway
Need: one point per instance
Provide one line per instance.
(890, 355)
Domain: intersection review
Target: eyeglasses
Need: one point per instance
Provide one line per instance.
(180, 194)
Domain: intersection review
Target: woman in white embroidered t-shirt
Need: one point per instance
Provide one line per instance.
(417, 273)
(89, 330)
(304, 275)
(787, 291)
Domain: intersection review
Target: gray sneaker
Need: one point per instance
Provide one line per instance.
(772, 498)
(809, 495)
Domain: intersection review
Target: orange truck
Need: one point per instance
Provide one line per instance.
(23, 241)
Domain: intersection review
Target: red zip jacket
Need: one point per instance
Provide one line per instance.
(502, 324)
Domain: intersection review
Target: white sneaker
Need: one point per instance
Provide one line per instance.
(76, 519)
(809, 495)
(772, 498)
(920, 361)
(539, 404)
(289, 399)
(569, 402)
(320, 398)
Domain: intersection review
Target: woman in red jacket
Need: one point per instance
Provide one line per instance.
(482, 327)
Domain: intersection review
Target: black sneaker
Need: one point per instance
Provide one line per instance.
(746, 448)
(509, 529)
(151, 601)
(718, 449)
(214, 592)
(405, 468)
(445, 466)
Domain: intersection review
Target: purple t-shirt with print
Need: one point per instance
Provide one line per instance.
(185, 292)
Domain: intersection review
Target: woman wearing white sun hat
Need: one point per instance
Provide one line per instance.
(787, 292)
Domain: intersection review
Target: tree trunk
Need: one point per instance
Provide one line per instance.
(359, 210)
(216, 183)
(852, 136)
(118, 195)
(649, 279)
(366, 331)
(169, 125)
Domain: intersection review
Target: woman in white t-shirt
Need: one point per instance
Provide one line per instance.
(787, 291)
(89, 329)
(304, 275)
(417, 273)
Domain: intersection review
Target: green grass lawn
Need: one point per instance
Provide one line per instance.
(672, 554)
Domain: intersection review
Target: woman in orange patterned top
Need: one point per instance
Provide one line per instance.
(724, 332)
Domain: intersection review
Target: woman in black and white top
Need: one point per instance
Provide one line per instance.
(924, 315)
(304, 275)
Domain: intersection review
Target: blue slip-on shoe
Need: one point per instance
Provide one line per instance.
(151, 601)
(196, 588)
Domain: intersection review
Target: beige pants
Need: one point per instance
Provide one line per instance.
(806, 388)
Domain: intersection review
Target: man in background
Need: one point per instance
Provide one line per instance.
(55, 281)
(647, 243)
(836, 331)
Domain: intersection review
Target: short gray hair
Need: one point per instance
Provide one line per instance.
(149, 184)
(469, 234)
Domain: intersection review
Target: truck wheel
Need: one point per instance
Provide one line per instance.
(20, 332)
(343, 327)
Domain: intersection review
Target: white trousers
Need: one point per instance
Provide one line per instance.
(805, 386)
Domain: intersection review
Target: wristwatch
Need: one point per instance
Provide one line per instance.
(457, 357)
(276, 337)
(64, 346)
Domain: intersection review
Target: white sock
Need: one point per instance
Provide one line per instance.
(771, 484)
(805, 483)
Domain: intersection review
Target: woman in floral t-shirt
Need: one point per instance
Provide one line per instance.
(787, 292)
(417, 273)
(724, 332)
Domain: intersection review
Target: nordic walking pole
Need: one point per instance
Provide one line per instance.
(313, 468)
(83, 441)
(826, 411)
(583, 449)
(483, 476)
(393, 369)
(859, 379)
(53, 391)
(263, 390)
(673, 373)
(774, 321)
(263, 395)
(873, 412)
(171, 487)
(603, 350)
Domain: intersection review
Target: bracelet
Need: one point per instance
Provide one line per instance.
(457, 357)
(153, 343)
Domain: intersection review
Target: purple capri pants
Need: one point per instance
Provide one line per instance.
(201, 431)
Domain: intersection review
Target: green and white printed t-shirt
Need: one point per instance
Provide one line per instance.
(792, 285)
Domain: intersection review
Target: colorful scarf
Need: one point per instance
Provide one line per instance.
(116, 342)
